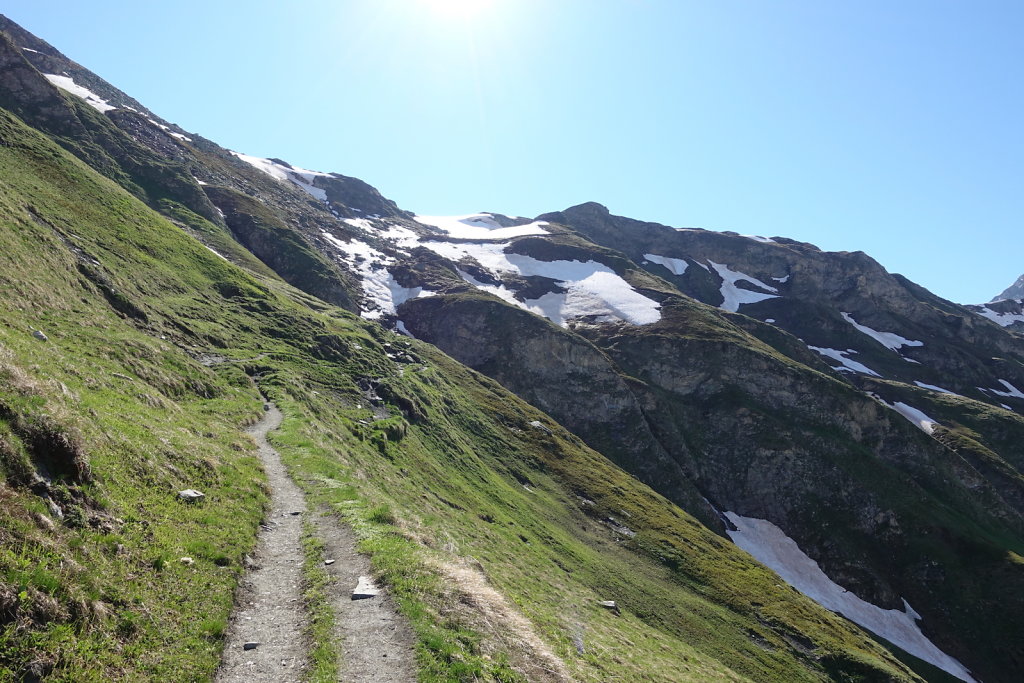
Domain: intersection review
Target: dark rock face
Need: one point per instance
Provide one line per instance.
(813, 289)
(558, 372)
(354, 198)
(1008, 313)
(26, 93)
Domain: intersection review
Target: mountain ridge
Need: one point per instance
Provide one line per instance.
(714, 367)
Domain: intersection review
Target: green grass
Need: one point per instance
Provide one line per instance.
(324, 654)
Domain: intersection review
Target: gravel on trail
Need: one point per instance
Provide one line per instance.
(266, 640)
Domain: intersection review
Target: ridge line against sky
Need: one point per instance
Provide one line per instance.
(890, 128)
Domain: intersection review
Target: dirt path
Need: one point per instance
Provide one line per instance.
(375, 642)
(268, 608)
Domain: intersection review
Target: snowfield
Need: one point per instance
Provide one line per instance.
(773, 548)
(383, 293)
(592, 288)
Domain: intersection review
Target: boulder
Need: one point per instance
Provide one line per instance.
(191, 495)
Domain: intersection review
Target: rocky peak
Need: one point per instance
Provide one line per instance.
(358, 198)
(48, 60)
(1014, 291)
(24, 91)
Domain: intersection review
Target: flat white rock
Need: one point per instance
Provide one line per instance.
(365, 588)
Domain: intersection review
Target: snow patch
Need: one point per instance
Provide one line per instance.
(676, 266)
(400, 326)
(920, 420)
(848, 364)
(782, 280)
(216, 252)
(167, 129)
(758, 238)
(480, 226)
(361, 223)
(773, 548)
(889, 340)
(734, 296)
(383, 294)
(301, 177)
(28, 49)
(935, 388)
(67, 84)
(1004, 319)
(403, 237)
(1011, 391)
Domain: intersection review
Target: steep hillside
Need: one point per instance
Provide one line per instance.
(498, 531)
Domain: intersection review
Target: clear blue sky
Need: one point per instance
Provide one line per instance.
(892, 127)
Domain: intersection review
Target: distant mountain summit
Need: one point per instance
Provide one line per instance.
(1014, 291)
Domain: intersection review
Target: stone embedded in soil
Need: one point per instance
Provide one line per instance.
(191, 495)
(537, 424)
(365, 589)
(250, 646)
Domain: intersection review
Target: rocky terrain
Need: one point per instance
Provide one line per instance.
(1014, 291)
(527, 416)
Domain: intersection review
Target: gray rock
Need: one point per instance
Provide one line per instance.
(365, 589)
(38, 334)
(55, 509)
(191, 495)
(537, 424)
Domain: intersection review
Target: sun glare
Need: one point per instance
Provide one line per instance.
(458, 9)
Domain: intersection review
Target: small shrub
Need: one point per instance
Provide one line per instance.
(381, 514)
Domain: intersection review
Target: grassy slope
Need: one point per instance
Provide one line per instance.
(471, 515)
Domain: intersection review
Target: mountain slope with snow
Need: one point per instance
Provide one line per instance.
(871, 424)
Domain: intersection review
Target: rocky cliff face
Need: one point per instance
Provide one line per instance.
(845, 404)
